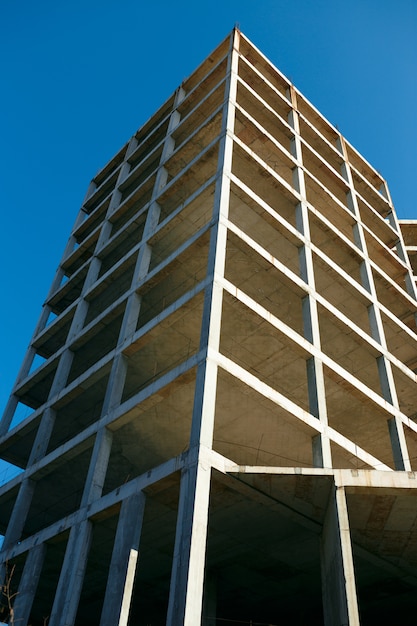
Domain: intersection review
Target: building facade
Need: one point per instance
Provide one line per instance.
(219, 398)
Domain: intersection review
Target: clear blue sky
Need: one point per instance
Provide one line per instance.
(79, 77)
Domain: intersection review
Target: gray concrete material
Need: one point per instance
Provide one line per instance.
(262, 314)
(203, 415)
(79, 316)
(46, 310)
(58, 456)
(43, 436)
(185, 603)
(304, 417)
(67, 595)
(8, 413)
(315, 377)
(98, 466)
(339, 593)
(19, 514)
(123, 565)
(98, 509)
(187, 578)
(398, 442)
(116, 382)
(28, 584)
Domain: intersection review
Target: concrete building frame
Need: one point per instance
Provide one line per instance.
(222, 383)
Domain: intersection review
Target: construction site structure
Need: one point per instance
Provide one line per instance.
(215, 421)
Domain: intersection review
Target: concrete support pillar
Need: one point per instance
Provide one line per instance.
(91, 189)
(340, 604)
(98, 466)
(8, 414)
(115, 384)
(389, 393)
(321, 449)
(130, 318)
(316, 391)
(20, 511)
(122, 571)
(187, 578)
(43, 436)
(62, 372)
(186, 591)
(28, 584)
(399, 444)
(67, 596)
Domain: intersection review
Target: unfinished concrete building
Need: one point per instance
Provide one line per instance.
(221, 389)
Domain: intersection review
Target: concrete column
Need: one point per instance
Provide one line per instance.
(91, 189)
(43, 436)
(20, 511)
(62, 372)
(98, 466)
(205, 395)
(115, 384)
(399, 444)
(340, 604)
(186, 591)
(13, 401)
(187, 578)
(67, 597)
(122, 571)
(130, 318)
(8, 414)
(321, 449)
(28, 584)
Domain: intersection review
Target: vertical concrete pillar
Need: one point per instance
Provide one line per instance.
(130, 318)
(186, 590)
(28, 584)
(98, 466)
(43, 436)
(399, 444)
(321, 450)
(122, 571)
(115, 384)
(340, 604)
(20, 511)
(8, 414)
(67, 596)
